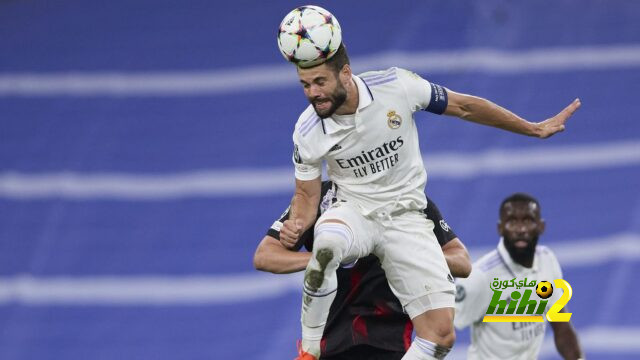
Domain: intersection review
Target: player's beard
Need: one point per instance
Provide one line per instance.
(337, 98)
(521, 254)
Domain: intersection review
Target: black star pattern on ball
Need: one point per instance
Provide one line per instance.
(303, 33)
(302, 9)
(324, 52)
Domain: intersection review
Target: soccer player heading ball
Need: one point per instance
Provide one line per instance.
(363, 127)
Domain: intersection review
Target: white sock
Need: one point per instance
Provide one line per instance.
(422, 349)
(320, 284)
(315, 310)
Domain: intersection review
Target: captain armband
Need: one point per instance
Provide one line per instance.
(439, 99)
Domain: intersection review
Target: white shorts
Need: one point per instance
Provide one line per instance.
(408, 250)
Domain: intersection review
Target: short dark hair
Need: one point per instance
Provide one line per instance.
(337, 61)
(519, 197)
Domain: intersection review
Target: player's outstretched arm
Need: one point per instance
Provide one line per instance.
(303, 213)
(273, 257)
(483, 111)
(458, 258)
(566, 340)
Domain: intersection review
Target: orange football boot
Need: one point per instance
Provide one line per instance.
(303, 355)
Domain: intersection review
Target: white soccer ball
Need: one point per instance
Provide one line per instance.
(309, 35)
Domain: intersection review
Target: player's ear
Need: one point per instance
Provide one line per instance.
(345, 74)
(541, 226)
(499, 227)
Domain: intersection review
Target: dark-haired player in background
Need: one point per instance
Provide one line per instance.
(366, 320)
(518, 256)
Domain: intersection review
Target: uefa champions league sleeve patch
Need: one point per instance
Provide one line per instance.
(296, 154)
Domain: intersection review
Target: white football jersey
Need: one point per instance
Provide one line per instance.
(373, 155)
(506, 341)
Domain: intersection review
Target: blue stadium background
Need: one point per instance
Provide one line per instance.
(145, 148)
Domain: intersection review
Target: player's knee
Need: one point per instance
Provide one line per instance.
(443, 333)
(327, 253)
(442, 337)
(331, 241)
(447, 336)
(436, 326)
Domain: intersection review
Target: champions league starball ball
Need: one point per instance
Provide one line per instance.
(544, 289)
(308, 36)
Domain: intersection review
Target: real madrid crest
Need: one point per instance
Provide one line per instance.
(394, 120)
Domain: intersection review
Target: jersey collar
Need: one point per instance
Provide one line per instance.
(365, 98)
(514, 268)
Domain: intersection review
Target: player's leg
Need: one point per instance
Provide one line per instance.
(418, 275)
(435, 334)
(340, 235)
(367, 352)
(332, 239)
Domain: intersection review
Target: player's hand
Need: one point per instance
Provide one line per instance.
(556, 124)
(290, 232)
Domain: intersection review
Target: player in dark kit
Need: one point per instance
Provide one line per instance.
(366, 320)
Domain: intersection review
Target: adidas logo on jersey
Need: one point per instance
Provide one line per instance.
(335, 147)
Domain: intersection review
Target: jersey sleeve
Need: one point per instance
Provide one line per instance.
(306, 168)
(557, 274)
(422, 94)
(444, 233)
(472, 299)
(274, 230)
(556, 265)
